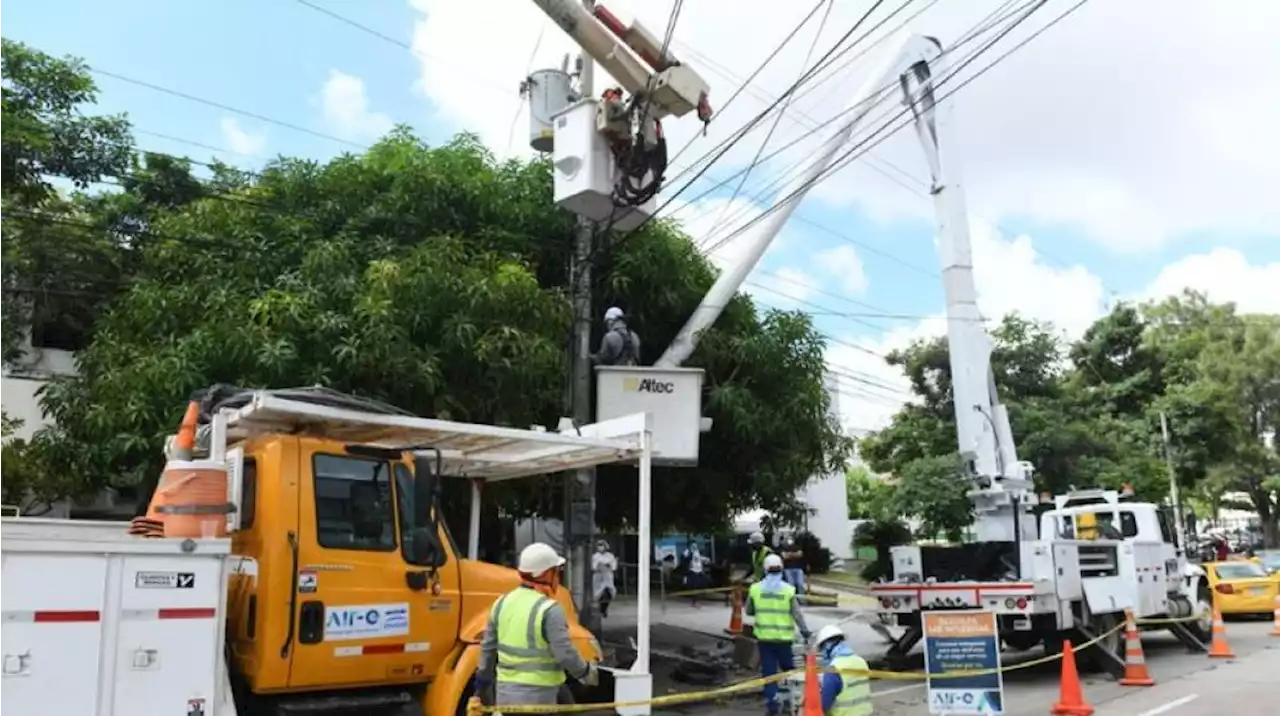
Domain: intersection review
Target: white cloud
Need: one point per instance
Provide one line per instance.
(1223, 274)
(345, 105)
(240, 141)
(844, 265)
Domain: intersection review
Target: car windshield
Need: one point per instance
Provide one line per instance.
(1271, 559)
(1242, 570)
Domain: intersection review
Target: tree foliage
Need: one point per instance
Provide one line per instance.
(1089, 413)
(434, 278)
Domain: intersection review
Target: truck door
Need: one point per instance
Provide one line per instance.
(366, 615)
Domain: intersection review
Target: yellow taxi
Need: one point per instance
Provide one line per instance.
(1242, 587)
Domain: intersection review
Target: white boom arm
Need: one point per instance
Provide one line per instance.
(982, 423)
(632, 56)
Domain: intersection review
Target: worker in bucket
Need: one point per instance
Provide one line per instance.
(603, 565)
(620, 345)
(777, 615)
(527, 638)
(759, 551)
(844, 693)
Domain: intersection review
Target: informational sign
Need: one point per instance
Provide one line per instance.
(165, 580)
(368, 621)
(958, 642)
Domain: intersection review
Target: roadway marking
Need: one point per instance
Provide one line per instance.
(1171, 705)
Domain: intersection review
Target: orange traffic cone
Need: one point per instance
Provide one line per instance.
(1135, 662)
(812, 690)
(735, 617)
(1275, 630)
(1218, 648)
(1070, 696)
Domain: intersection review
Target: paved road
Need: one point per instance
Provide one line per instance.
(1031, 691)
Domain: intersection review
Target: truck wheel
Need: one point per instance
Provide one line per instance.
(1202, 607)
(1096, 658)
(1053, 644)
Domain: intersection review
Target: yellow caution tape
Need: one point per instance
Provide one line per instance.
(474, 708)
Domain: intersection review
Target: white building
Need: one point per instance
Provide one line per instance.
(21, 382)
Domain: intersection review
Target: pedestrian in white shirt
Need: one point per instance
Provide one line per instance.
(696, 575)
(603, 565)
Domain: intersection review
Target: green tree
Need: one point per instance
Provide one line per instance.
(55, 271)
(435, 279)
(868, 496)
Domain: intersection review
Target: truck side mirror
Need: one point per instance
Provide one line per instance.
(425, 537)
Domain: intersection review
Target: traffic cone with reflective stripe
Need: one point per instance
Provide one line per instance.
(1070, 695)
(1218, 648)
(1135, 662)
(812, 691)
(1275, 630)
(735, 617)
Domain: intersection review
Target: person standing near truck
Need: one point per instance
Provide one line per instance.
(603, 565)
(759, 552)
(793, 563)
(527, 638)
(777, 615)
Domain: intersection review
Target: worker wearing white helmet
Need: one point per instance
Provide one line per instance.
(620, 345)
(527, 638)
(846, 691)
(759, 551)
(777, 615)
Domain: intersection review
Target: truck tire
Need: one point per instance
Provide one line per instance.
(1202, 626)
(1053, 643)
(1096, 658)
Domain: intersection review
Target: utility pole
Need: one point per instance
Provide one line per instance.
(1179, 526)
(581, 485)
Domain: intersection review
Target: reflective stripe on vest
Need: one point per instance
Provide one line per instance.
(773, 612)
(524, 657)
(854, 698)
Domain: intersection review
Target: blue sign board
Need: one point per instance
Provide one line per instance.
(958, 642)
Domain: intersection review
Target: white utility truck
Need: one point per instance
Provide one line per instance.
(1045, 581)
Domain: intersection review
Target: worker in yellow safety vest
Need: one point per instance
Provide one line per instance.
(844, 692)
(777, 615)
(759, 550)
(527, 638)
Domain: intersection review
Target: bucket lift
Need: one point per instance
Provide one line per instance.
(609, 153)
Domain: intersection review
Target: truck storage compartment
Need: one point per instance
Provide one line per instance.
(974, 561)
(99, 623)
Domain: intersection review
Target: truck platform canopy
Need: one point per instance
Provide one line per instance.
(469, 450)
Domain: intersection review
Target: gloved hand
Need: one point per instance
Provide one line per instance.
(592, 677)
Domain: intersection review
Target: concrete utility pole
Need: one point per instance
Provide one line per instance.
(1179, 526)
(580, 487)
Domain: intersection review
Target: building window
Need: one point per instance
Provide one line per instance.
(353, 503)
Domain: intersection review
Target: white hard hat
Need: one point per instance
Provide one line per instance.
(613, 314)
(772, 562)
(537, 558)
(827, 633)
(756, 538)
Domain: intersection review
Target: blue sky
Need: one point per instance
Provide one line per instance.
(1187, 191)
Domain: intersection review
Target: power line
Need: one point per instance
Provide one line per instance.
(781, 113)
(857, 150)
(226, 107)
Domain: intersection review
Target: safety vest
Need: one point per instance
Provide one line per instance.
(524, 657)
(854, 698)
(773, 613)
(757, 562)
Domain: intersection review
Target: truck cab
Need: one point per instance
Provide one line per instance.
(337, 595)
